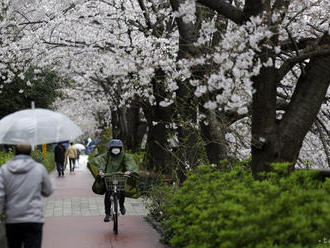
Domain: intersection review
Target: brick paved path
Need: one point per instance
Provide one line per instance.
(74, 217)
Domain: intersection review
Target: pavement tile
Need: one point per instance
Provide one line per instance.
(74, 216)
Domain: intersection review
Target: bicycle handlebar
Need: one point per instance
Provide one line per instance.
(116, 174)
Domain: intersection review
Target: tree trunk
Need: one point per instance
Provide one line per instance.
(213, 136)
(158, 156)
(264, 127)
(281, 140)
(126, 125)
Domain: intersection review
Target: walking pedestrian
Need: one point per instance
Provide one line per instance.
(115, 160)
(59, 155)
(23, 182)
(71, 153)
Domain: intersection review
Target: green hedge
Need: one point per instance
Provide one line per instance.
(4, 157)
(92, 168)
(47, 161)
(230, 209)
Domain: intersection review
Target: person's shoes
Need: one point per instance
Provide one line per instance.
(122, 210)
(107, 218)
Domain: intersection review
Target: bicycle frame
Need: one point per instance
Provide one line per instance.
(115, 183)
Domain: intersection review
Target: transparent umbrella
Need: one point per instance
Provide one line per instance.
(37, 126)
(79, 146)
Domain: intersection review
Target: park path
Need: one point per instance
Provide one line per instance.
(74, 217)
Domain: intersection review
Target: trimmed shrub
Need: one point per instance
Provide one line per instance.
(229, 208)
(47, 161)
(4, 157)
(92, 168)
(138, 158)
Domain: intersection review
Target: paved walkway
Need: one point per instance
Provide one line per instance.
(74, 216)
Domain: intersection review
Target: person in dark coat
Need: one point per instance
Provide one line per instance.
(59, 159)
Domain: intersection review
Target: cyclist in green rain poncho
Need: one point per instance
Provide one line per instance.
(115, 160)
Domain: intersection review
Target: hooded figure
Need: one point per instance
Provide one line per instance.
(115, 160)
(23, 182)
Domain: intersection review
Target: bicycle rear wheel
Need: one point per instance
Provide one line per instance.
(115, 214)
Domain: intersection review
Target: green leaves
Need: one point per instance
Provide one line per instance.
(230, 209)
(4, 157)
(37, 155)
(48, 160)
(18, 94)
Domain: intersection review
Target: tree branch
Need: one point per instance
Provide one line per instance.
(301, 44)
(287, 66)
(226, 9)
(308, 96)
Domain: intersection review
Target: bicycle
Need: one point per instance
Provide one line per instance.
(115, 183)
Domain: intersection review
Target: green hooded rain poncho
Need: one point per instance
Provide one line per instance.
(110, 163)
(123, 162)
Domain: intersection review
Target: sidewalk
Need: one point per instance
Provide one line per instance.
(74, 216)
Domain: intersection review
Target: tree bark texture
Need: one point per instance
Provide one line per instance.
(126, 125)
(158, 157)
(213, 135)
(281, 140)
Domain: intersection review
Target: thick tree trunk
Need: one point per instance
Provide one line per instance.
(186, 106)
(264, 127)
(158, 156)
(213, 136)
(188, 135)
(281, 140)
(126, 125)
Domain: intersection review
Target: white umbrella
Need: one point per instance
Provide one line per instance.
(37, 126)
(79, 146)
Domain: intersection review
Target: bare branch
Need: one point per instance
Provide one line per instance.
(226, 9)
(287, 66)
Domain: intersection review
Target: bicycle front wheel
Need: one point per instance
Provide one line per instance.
(115, 214)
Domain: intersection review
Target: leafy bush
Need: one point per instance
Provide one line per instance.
(229, 208)
(158, 197)
(138, 158)
(106, 136)
(47, 161)
(92, 168)
(4, 157)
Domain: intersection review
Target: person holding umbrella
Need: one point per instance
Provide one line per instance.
(23, 182)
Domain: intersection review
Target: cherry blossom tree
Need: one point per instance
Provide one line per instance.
(195, 68)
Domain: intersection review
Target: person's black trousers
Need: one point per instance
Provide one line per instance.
(60, 168)
(72, 163)
(29, 234)
(107, 202)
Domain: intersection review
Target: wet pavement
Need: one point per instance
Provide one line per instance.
(74, 216)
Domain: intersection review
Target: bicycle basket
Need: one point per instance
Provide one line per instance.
(115, 180)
